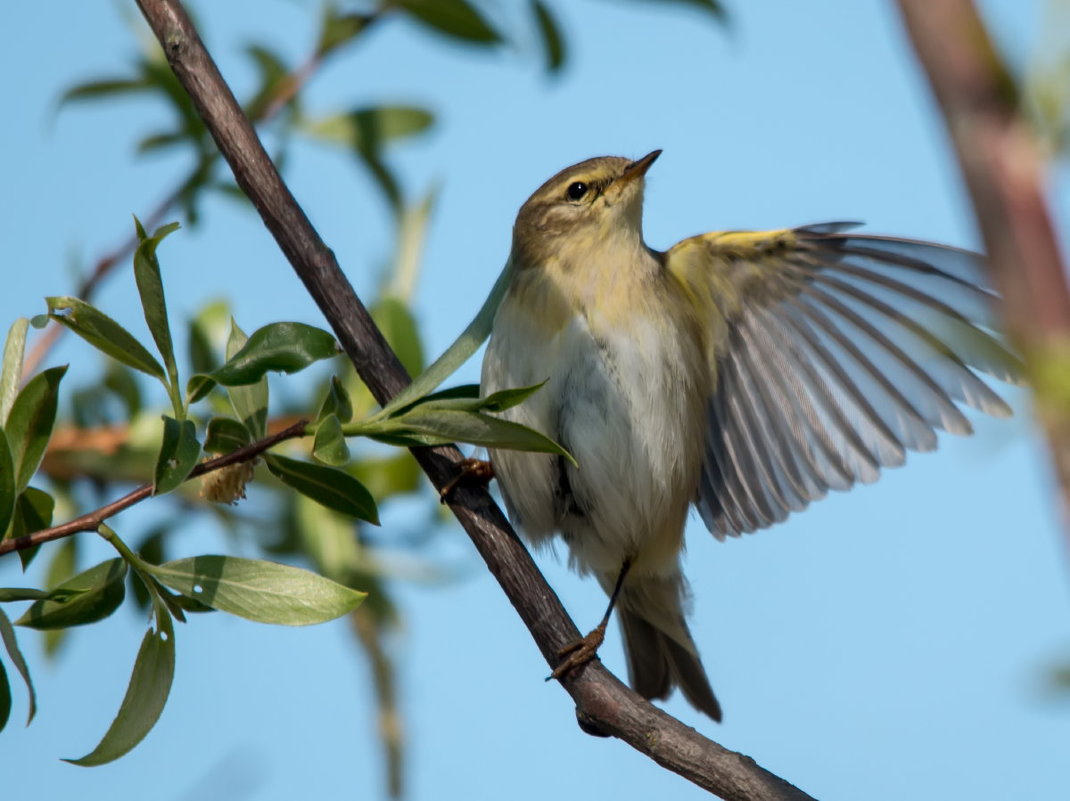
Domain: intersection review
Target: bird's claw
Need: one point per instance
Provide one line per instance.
(580, 652)
(472, 471)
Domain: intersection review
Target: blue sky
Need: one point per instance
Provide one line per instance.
(891, 642)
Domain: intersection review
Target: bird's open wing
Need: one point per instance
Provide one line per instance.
(834, 354)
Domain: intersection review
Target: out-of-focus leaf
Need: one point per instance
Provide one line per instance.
(336, 402)
(100, 590)
(282, 347)
(330, 446)
(399, 327)
(179, 453)
(91, 90)
(11, 644)
(103, 333)
(455, 18)
(265, 592)
(250, 402)
(206, 331)
(11, 371)
(8, 491)
(367, 130)
(333, 488)
(29, 424)
(150, 288)
(146, 695)
(337, 29)
(272, 71)
(714, 8)
(224, 435)
(122, 384)
(553, 41)
(393, 475)
(161, 141)
(33, 512)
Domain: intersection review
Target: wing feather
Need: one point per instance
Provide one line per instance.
(835, 353)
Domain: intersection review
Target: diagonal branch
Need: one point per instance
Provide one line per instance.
(1003, 169)
(602, 700)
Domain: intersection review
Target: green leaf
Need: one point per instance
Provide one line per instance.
(5, 697)
(398, 325)
(712, 7)
(474, 334)
(179, 453)
(553, 42)
(146, 695)
(29, 425)
(337, 29)
(9, 594)
(150, 287)
(91, 90)
(8, 491)
(224, 435)
(99, 591)
(103, 333)
(336, 402)
(249, 402)
(330, 444)
(63, 556)
(367, 130)
(456, 18)
(432, 426)
(11, 643)
(121, 383)
(393, 475)
(265, 592)
(282, 347)
(333, 488)
(11, 372)
(33, 512)
(272, 71)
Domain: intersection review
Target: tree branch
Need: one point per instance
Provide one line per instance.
(91, 521)
(1003, 169)
(602, 699)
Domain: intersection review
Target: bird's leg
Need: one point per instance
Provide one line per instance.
(472, 471)
(586, 648)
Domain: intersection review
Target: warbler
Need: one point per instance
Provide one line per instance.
(744, 372)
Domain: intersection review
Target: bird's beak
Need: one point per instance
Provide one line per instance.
(637, 169)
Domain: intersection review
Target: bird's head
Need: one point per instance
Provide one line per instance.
(594, 204)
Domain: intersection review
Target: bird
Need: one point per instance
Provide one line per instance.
(745, 373)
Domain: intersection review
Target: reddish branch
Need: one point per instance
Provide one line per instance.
(1004, 171)
(602, 700)
(91, 521)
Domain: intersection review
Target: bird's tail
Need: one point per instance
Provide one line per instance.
(661, 654)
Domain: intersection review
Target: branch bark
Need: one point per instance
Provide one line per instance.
(602, 700)
(1004, 172)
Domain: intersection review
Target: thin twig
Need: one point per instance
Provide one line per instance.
(1004, 171)
(91, 521)
(602, 699)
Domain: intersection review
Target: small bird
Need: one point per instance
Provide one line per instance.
(744, 372)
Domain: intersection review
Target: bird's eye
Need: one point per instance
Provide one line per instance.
(576, 190)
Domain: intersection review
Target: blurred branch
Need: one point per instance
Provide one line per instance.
(91, 521)
(604, 703)
(1002, 164)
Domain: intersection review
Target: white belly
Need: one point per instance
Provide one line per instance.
(625, 405)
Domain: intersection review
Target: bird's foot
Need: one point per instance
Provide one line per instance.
(579, 652)
(472, 471)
